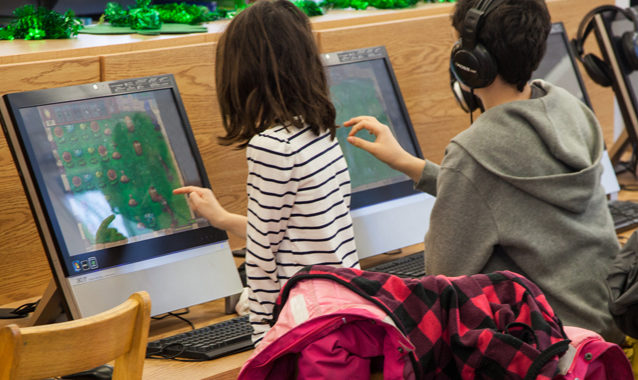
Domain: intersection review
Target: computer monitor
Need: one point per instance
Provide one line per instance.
(98, 163)
(388, 214)
(560, 68)
(559, 65)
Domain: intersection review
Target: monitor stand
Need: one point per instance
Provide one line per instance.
(50, 309)
(619, 147)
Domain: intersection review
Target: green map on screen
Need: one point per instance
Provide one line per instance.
(115, 163)
(356, 95)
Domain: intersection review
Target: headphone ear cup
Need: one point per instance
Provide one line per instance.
(464, 101)
(629, 45)
(597, 70)
(468, 101)
(474, 68)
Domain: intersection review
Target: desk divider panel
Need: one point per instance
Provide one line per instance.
(24, 270)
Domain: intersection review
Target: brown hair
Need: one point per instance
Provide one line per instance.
(515, 34)
(269, 73)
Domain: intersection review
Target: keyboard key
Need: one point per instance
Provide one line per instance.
(624, 214)
(206, 343)
(411, 266)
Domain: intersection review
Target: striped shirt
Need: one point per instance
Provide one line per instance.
(298, 213)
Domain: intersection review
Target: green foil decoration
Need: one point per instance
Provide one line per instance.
(142, 16)
(183, 13)
(116, 15)
(309, 7)
(359, 4)
(32, 23)
(144, 19)
(145, 16)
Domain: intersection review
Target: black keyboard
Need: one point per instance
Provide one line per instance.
(206, 343)
(411, 266)
(624, 214)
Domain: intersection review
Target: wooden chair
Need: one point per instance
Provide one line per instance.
(64, 348)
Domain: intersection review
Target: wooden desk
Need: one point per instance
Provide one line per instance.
(201, 315)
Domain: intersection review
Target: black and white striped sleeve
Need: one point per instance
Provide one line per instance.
(271, 192)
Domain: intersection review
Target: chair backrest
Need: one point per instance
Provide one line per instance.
(59, 349)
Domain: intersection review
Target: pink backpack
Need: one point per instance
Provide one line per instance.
(590, 357)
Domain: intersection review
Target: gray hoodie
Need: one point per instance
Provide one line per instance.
(520, 190)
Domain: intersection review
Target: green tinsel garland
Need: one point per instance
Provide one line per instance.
(147, 16)
(309, 7)
(32, 23)
(186, 14)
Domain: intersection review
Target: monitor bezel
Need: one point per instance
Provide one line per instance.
(559, 28)
(40, 204)
(396, 190)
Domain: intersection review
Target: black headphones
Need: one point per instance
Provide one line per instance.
(470, 62)
(597, 69)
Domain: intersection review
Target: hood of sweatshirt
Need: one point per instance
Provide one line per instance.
(550, 146)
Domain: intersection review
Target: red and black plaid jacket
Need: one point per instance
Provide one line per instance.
(484, 326)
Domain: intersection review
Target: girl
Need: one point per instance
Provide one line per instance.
(274, 100)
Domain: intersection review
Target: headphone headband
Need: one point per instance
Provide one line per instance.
(586, 25)
(474, 19)
(597, 69)
(470, 62)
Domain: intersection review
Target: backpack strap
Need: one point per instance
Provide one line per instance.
(555, 349)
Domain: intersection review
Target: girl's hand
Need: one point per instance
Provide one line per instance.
(204, 202)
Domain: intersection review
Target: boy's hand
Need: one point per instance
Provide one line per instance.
(385, 147)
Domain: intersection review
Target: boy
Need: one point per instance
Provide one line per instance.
(520, 189)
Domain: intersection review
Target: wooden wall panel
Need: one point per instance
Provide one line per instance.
(194, 70)
(338, 18)
(24, 269)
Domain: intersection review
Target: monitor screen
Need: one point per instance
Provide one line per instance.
(99, 163)
(362, 82)
(559, 64)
